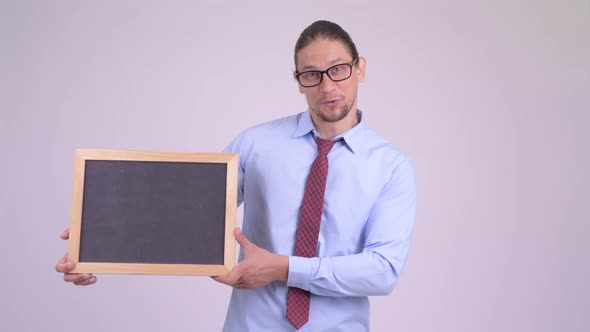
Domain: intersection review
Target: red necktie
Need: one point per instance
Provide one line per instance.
(306, 243)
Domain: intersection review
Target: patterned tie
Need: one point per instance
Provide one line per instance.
(306, 243)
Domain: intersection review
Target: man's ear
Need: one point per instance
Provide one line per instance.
(360, 69)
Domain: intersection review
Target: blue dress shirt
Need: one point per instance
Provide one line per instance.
(365, 232)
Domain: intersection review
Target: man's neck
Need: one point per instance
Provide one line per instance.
(329, 130)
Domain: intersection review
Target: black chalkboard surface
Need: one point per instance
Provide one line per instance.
(153, 212)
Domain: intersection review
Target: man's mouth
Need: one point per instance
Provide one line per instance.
(330, 102)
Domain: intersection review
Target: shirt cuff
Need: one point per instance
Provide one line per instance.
(300, 271)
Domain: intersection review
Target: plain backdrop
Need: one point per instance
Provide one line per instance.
(490, 99)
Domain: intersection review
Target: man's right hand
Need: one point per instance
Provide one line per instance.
(65, 266)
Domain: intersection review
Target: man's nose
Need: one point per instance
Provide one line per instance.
(327, 84)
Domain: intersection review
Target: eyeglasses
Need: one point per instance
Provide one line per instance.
(336, 73)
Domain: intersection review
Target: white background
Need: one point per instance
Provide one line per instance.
(490, 99)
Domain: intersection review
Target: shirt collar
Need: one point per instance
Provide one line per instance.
(351, 137)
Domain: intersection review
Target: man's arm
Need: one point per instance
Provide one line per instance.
(371, 272)
(376, 269)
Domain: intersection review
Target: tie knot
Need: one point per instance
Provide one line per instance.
(324, 146)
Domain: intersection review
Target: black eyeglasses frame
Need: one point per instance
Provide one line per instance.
(322, 72)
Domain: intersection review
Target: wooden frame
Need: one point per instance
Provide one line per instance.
(76, 222)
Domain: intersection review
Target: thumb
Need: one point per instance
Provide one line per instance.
(66, 234)
(242, 240)
(229, 279)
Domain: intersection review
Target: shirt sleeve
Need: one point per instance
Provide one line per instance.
(376, 269)
(238, 146)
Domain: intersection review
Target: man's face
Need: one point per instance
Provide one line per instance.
(330, 101)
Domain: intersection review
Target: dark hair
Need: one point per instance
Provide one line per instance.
(327, 30)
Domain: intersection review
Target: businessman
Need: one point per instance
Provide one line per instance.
(329, 205)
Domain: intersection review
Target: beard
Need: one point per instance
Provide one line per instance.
(333, 115)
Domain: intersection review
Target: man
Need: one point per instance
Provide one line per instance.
(316, 246)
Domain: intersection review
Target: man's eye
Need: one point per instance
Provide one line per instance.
(310, 75)
(337, 69)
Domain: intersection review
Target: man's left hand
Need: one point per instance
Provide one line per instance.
(258, 268)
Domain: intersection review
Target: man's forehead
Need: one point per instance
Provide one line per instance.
(321, 53)
(323, 64)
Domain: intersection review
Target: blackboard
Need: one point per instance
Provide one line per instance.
(153, 212)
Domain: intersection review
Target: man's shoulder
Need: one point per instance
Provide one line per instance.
(270, 131)
(381, 149)
(279, 126)
(377, 143)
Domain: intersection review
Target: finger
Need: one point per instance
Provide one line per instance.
(228, 279)
(76, 277)
(66, 234)
(64, 265)
(86, 282)
(242, 240)
(231, 278)
(223, 279)
(240, 284)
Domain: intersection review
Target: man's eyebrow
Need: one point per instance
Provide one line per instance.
(330, 64)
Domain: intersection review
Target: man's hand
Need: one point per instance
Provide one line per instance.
(64, 266)
(258, 268)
